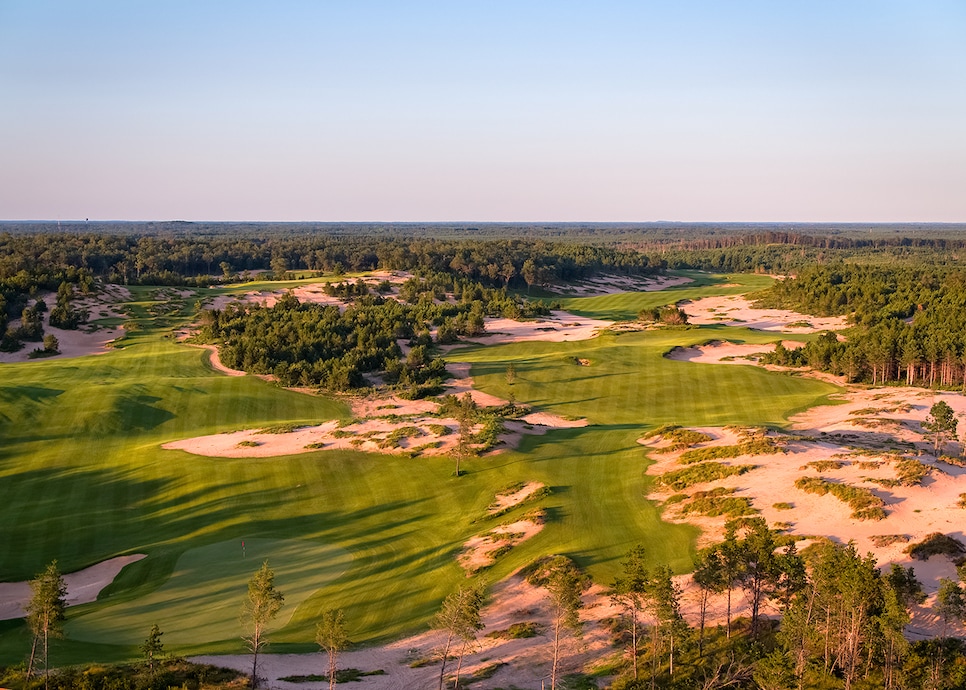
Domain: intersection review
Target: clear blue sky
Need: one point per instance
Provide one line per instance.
(483, 110)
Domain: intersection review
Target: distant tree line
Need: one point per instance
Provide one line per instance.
(909, 322)
(189, 259)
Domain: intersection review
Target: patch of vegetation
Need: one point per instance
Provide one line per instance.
(439, 429)
(864, 503)
(783, 506)
(761, 445)
(248, 444)
(936, 544)
(517, 631)
(314, 446)
(718, 501)
(962, 500)
(281, 428)
(393, 438)
(823, 465)
(343, 675)
(487, 671)
(679, 437)
(700, 474)
(889, 539)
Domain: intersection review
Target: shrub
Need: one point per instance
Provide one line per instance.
(911, 472)
(719, 501)
(936, 544)
(761, 445)
(864, 503)
(517, 631)
(700, 474)
(824, 465)
(679, 437)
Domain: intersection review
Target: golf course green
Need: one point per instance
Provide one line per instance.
(83, 478)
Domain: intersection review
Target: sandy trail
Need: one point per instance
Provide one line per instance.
(82, 586)
(737, 310)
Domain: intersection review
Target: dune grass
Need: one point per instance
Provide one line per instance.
(83, 478)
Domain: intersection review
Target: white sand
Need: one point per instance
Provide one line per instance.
(736, 310)
(82, 586)
(559, 327)
(720, 352)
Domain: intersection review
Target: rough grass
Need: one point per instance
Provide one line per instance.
(677, 436)
(936, 544)
(700, 473)
(864, 503)
(718, 501)
(761, 445)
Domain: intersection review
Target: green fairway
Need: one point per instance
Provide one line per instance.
(624, 306)
(628, 381)
(83, 478)
(207, 589)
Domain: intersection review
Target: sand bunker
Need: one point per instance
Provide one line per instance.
(481, 551)
(82, 586)
(723, 352)
(559, 327)
(737, 310)
(505, 501)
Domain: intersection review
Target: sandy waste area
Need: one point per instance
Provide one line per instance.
(737, 310)
(88, 339)
(82, 586)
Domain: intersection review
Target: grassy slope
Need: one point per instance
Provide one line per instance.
(82, 477)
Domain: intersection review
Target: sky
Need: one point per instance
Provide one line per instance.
(483, 110)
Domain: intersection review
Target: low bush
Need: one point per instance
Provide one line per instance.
(864, 503)
(761, 445)
(936, 544)
(701, 473)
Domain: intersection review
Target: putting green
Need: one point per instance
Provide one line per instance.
(204, 596)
